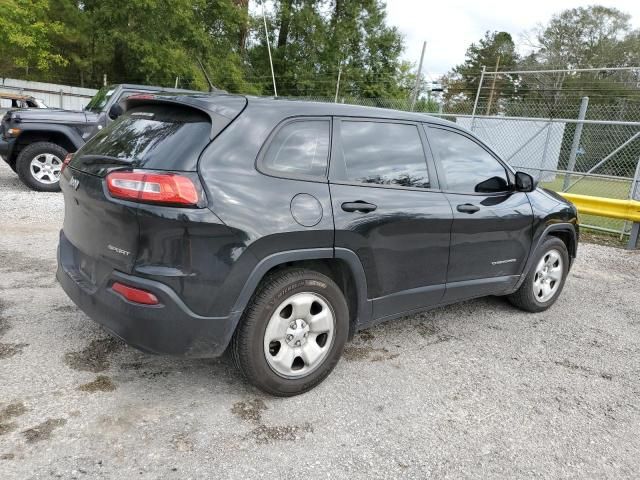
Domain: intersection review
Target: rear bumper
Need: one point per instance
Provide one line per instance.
(169, 328)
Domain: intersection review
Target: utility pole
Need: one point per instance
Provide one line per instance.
(338, 84)
(493, 86)
(414, 97)
(266, 33)
(475, 104)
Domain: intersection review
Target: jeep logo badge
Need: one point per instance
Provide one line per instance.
(74, 182)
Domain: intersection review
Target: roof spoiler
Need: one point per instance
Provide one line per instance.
(222, 109)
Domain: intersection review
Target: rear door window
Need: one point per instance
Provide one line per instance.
(161, 137)
(299, 149)
(383, 153)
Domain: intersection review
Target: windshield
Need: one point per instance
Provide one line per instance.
(100, 99)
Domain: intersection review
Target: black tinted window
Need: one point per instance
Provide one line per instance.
(299, 148)
(384, 153)
(467, 167)
(150, 136)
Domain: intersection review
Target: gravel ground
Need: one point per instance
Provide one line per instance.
(477, 389)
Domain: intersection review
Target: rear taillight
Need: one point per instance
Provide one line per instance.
(135, 295)
(165, 188)
(66, 161)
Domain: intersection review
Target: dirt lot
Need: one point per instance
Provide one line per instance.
(473, 390)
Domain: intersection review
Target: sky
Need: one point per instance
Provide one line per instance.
(450, 26)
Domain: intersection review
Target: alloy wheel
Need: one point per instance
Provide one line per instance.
(46, 168)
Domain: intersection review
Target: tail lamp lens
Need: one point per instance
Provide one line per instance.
(135, 295)
(164, 188)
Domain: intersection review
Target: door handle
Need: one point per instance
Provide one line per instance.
(467, 208)
(358, 206)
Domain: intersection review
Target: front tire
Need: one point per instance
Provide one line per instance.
(545, 279)
(39, 165)
(292, 333)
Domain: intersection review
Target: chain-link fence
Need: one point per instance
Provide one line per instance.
(591, 157)
(576, 131)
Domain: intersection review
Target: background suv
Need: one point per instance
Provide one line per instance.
(35, 142)
(280, 228)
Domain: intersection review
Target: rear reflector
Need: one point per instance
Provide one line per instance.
(165, 188)
(135, 295)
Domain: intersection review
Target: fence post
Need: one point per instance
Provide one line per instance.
(475, 104)
(543, 160)
(634, 194)
(571, 166)
(61, 99)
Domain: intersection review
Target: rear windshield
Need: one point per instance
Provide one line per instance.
(158, 137)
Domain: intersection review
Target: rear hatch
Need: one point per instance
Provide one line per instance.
(152, 136)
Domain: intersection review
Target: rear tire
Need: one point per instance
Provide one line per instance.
(545, 279)
(292, 333)
(38, 165)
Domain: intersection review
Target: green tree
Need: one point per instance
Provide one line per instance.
(25, 36)
(76, 43)
(313, 39)
(368, 49)
(583, 37)
(297, 34)
(493, 50)
(156, 41)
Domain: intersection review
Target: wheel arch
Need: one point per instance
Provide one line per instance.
(341, 265)
(565, 232)
(61, 135)
(568, 236)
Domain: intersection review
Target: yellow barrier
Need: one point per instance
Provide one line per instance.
(605, 207)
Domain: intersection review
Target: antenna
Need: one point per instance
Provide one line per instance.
(211, 87)
(266, 33)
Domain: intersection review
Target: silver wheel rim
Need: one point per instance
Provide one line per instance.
(299, 335)
(45, 168)
(548, 276)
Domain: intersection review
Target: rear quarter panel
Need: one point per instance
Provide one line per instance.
(256, 207)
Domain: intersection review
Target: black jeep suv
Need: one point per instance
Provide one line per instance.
(280, 228)
(34, 142)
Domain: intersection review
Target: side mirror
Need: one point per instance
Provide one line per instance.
(492, 185)
(115, 111)
(525, 182)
